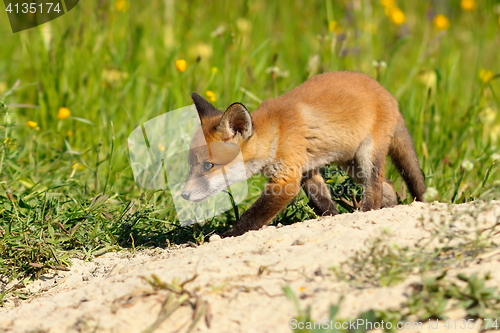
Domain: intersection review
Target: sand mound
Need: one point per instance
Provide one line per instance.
(236, 284)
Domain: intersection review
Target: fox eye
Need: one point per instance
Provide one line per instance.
(208, 166)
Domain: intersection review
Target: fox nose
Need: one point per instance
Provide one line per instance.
(185, 195)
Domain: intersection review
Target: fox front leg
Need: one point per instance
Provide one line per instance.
(275, 197)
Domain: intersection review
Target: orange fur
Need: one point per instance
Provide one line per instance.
(340, 117)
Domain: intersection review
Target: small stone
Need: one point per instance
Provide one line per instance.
(299, 241)
(214, 238)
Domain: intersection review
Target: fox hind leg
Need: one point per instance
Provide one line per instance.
(318, 194)
(389, 198)
(367, 169)
(373, 185)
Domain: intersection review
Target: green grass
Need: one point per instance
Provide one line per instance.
(382, 264)
(66, 185)
(177, 296)
(304, 323)
(428, 304)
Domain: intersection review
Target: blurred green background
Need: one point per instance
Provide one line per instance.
(88, 78)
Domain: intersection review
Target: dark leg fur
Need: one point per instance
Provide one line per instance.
(372, 198)
(378, 191)
(403, 155)
(275, 197)
(319, 196)
(389, 198)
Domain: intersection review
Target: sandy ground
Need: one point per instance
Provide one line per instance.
(238, 282)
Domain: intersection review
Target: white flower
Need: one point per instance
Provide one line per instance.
(431, 194)
(467, 165)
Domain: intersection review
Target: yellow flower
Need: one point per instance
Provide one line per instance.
(468, 5)
(70, 134)
(9, 143)
(32, 124)
(161, 147)
(485, 75)
(332, 25)
(63, 113)
(77, 166)
(211, 96)
(397, 16)
(388, 3)
(214, 70)
(441, 22)
(181, 65)
(122, 5)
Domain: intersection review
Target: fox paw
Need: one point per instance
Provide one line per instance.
(232, 233)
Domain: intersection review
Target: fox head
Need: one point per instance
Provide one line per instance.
(214, 155)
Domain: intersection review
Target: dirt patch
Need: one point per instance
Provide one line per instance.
(236, 284)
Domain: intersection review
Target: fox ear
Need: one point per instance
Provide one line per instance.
(236, 120)
(204, 108)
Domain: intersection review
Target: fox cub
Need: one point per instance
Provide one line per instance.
(345, 118)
